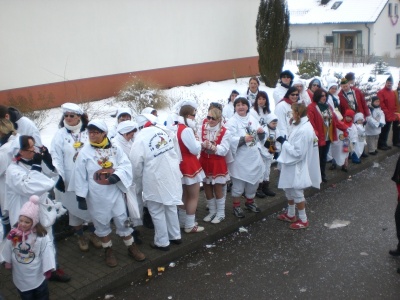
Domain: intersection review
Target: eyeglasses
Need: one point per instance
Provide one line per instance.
(211, 118)
(69, 115)
(294, 95)
(94, 132)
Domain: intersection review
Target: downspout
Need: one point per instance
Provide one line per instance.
(369, 37)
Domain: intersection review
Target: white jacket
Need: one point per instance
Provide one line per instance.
(155, 166)
(283, 111)
(247, 165)
(104, 201)
(64, 156)
(279, 93)
(27, 127)
(299, 159)
(372, 126)
(228, 111)
(5, 160)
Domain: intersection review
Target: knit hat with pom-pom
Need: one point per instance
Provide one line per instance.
(31, 210)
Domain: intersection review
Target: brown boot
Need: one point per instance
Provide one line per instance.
(134, 251)
(83, 243)
(266, 189)
(111, 260)
(94, 239)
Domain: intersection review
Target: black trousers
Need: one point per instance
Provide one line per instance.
(323, 154)
(40, 293)
(397, 220)
(383, 137)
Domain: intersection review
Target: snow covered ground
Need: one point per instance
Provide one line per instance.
(210, 92)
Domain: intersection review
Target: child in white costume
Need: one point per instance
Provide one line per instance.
(360, 142)
(374, 125)
(29, 253)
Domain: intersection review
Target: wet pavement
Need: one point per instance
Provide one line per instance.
(268, 261)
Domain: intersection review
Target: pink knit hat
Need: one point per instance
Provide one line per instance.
(31, 209)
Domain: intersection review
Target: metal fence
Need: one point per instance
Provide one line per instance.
(328, 55)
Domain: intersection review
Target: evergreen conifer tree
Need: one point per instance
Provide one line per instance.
(272, 31)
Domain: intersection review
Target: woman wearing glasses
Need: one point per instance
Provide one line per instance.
(314, 85)
(325, 123)
(214, 138)
(283, 110)
(285, 82)
(65, 147)
(192, 172)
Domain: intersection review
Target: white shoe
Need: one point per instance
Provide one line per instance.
(209, 217)
(182, 226)
(217, 219)
(194, 229)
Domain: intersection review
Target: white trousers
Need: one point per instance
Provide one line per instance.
(239, 186)
(166, 223)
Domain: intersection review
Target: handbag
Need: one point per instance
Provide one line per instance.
(47, 211)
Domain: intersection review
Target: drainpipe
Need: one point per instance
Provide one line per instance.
(369, 37)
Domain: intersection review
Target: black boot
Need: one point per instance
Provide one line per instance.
(260, 193)
(136, 238)
(147, 221)
(266, 189)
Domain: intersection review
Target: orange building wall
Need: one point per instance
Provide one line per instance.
(97, 88)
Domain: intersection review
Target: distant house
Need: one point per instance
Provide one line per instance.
(346, 28)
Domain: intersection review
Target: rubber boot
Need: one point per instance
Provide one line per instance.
(266, 189)
(260, 193)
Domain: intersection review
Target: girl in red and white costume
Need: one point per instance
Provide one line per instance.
(190, 167)
(214, 139)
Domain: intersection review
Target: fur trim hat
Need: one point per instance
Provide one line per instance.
(72, 107)
(31, 209)
(359, 116)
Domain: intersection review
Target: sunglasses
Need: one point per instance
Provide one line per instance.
(211, 118)
(286, 76)
(69, 115)
(294, 95)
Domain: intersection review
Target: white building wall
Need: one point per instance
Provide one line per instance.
(46, 41)
(384, 33)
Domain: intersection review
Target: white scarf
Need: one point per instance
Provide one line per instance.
(74, 129)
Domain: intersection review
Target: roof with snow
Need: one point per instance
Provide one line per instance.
(348, 11)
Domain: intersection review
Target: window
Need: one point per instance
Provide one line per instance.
(396, 10)
(329, 39)
(390, 9)
(398, 40)
(336, 4)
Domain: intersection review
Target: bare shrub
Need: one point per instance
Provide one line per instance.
(139, 94)
(27, 105)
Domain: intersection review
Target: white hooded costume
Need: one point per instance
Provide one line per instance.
(155, 168)
(299, 158)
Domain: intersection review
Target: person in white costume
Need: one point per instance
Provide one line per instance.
(23, 125)
(299, 163)
(103, 173)
(29, 253)
(268, 148)
(247, 169)
(192, 173)
(7, 136)
(228, 109)
(360, 141)
(284, 83)
(303, 95)
(30, 173)
(65, 147)
(283, 110)
(155, 168)
(126, 132)
(122, 114)
(374, 125)
(260, 111)
(252, 90)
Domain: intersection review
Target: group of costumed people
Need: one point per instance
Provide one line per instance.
(141, 171)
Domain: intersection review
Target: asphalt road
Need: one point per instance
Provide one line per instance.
(270, 261)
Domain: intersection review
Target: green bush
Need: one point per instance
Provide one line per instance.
(139, 94)
(309, 69)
